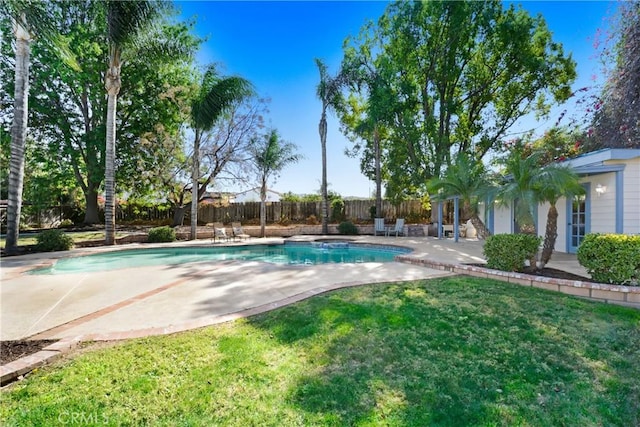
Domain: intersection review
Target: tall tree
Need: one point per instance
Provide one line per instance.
(68, 112)
(223, 155)
(269, 156)
(462, 74)
(28, 19)
(329, 93)
(125, 20)
(365, 115)
(216, 95)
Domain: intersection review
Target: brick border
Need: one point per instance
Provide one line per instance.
(15, 370)
(628, 296)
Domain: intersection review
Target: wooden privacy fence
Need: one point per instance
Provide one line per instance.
(294, 212)
(299, 212)
(144, 213)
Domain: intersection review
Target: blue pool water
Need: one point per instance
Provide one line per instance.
(290, 253)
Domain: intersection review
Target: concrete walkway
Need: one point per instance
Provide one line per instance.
(163, 299)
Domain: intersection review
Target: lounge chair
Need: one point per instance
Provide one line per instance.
(379, 227)
(219, 232)
(398, 230)
(238, 232)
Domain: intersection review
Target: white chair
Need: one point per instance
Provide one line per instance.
(398, 229)
(238, 232)
(379, 227)
(219, 232)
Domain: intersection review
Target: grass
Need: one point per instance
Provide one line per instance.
(449, 352)
(77, 236)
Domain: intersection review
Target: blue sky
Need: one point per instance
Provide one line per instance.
(273, 44)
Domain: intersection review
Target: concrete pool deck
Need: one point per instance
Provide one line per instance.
(156, 300)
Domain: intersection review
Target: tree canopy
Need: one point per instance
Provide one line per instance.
(457, 76)
(616, 121)
(68, 106)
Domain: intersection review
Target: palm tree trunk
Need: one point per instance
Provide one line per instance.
(481, 230)
(323, 190)
(18, 135)
(550, 236)
(195, 186)
(112, 84)
(263, 207)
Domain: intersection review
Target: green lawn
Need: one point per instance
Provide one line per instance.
(77, 236)
(457, 352)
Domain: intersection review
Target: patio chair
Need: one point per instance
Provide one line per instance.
(238, 232)
(219, 232)
(398, 230)
(379, 227)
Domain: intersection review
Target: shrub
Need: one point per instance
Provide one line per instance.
(347, 227)
(161, 234)
(611, 258)
(372, 212)
(415, 218)
(284, 221)
(312, 220)
(53, 240)
(65, 223)
(508, 252)
(337, 210)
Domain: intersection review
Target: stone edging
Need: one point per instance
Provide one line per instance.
(628, 296)
(16, 369)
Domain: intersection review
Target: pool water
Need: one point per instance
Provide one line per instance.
(290, 253)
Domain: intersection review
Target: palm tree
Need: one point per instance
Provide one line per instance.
(125, 20)
(529, 183)
(466, 178)
(216, 94)
(555, 181)
(269, 156)
(522, 175)
(328, 91)
(28, 18)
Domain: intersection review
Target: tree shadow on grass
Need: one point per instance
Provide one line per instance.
(461, 351)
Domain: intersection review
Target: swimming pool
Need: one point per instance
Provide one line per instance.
(289, 253)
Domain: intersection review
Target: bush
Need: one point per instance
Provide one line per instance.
(508, 252)
(53, 240)
(161, 234)
(611, 258)
(312, 220)
(337, 210)
(284, 221)
(347, 227)
(415, 218)
(65, 223)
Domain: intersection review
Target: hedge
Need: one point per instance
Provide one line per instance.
(611, 258)
(508, 252)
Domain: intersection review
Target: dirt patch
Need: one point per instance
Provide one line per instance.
(14, 350)
(549, 272)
